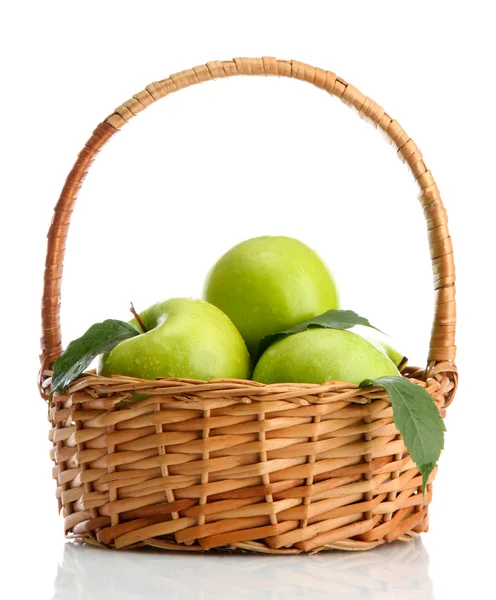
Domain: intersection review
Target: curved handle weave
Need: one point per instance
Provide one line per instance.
(442, 345)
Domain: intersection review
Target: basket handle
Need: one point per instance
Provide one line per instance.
(442, 348)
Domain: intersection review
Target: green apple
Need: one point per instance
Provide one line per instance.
(318, 355)
(185, 338)
(398, 358)
(381, 343)
(268, 284)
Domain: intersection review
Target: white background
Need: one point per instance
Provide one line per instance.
(211, 166)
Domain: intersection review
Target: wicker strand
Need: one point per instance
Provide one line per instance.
(164, 468)
(205, 456)
(309, 480)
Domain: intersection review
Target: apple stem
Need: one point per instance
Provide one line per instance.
(138, 318)
(402, 364)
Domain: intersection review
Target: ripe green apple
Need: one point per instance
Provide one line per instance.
(185, 338)
(397, 357)
(381, 343)
(318, 355)
(268, 284)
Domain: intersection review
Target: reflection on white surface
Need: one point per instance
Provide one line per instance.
(393, 572)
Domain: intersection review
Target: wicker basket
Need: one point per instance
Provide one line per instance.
(279, 469)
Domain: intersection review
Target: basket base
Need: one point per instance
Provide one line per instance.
(252, 547)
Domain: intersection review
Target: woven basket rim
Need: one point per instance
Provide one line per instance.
(239, 387)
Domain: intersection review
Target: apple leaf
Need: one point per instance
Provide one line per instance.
(79, 354)
(332, 319)
(418, 420)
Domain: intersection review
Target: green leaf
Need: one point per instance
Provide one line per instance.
(418, 420)
(332, 319)
(79, 354)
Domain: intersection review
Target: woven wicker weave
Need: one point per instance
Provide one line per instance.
(280, 468)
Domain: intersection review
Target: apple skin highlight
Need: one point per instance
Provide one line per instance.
(185, 338)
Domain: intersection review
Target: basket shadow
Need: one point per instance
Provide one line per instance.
(398, 571)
